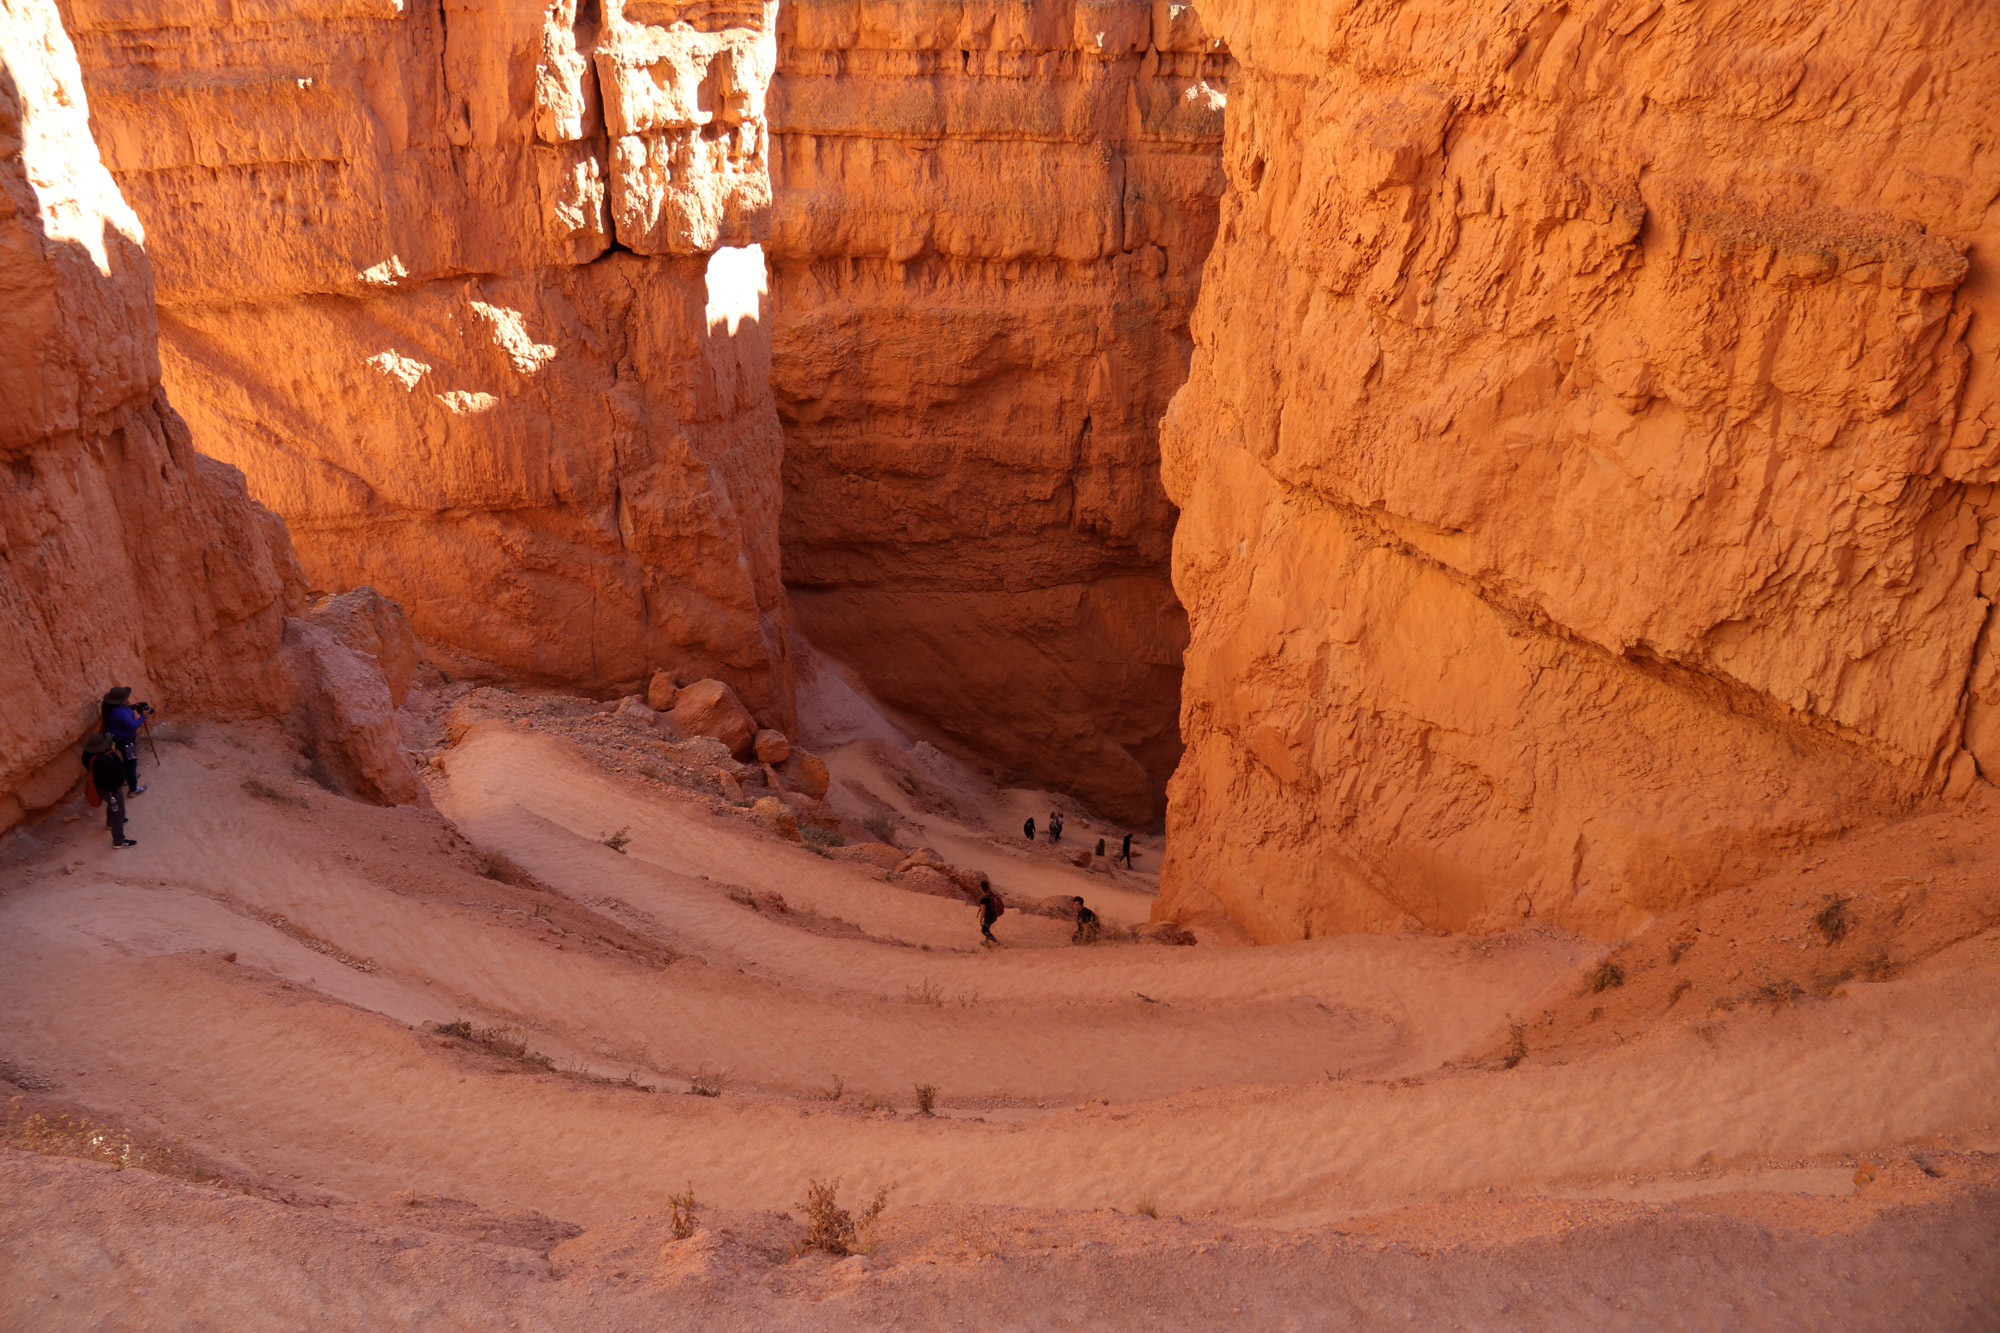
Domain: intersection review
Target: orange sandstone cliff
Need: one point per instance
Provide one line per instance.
(1587, 463)
(125, 556)
(990, 222)
(439, 280)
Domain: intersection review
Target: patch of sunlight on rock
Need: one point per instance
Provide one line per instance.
(736, 285)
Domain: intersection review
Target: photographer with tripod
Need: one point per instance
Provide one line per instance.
(122, 722)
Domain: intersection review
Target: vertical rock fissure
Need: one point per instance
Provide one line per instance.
(989, 228)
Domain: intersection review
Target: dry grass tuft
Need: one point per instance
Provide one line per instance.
(1778, 993)
(1517, 1045)
(498, 1041)
(1831, 919)
(1146, 1205)
(264, 791)
(926, 1099)
(883, 827)
(1607, 975)
(80, 1136)
(618, 841)
(820, 839)
(830, 1228)
(925, 992)
(502, 867)
(707, 1082)
(1678, 946)
(683, 1205)
(761, 900)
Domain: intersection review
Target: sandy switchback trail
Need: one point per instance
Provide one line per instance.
(262, 978)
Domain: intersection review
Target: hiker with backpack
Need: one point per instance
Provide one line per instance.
(990, 908)
(107, 783)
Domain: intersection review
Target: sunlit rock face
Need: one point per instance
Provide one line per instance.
(990, 222)
(125, 556)
(440, 281)
(1587, 461)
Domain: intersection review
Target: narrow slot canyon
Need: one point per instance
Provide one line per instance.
(999, 663)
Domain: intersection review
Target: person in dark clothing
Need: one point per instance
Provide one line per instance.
(1100, 849)
(1087, 926)
(107, 774)
(1055, 826)
(122, 720)
(990, 908)
(1125, 853)
(1029, 828)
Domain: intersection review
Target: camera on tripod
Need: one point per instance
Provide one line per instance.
(142, 708)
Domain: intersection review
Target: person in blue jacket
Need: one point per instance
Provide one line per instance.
(122, 720)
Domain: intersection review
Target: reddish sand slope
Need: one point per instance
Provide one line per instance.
(259, 982)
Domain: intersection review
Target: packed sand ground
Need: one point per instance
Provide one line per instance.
(1753, 1125)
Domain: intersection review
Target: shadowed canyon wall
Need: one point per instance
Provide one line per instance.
(438, 280)
(125, 556)
(990, 222)
(1587, 463)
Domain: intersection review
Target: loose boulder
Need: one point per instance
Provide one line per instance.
(773, 747)
(805, 772)
(870, 853)
(661, 691)
(342, 715)
(711, 708)
(368, 623)
(777, 817)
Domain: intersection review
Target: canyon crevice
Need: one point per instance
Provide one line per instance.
(990, 226)
(1587, 461)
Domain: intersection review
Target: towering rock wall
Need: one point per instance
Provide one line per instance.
(990, 224)
(1587, 463)
(438, 280)
(125, 556)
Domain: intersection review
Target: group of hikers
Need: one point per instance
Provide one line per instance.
(1088, 926)
(1055, 836)
(111, 758)
(990, 907)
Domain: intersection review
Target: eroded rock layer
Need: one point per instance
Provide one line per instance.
(990, 222)
(1587, 461)
(125, 556)
(439, 281)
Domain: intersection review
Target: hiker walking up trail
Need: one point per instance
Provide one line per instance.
(990, 908)
(1125, 854)
(122, 719)
(1087, 926)
(1055, 826)
(107, 776)
(1029, 828)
